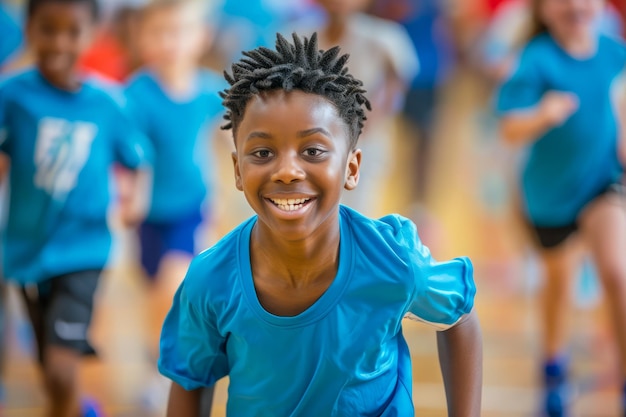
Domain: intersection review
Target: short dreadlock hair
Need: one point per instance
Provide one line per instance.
(298, 66)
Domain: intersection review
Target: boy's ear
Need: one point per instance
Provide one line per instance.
(352, 170)
(237, 173)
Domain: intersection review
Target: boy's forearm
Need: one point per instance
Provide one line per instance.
(134, 195)
(461, 360)
(183, 403)
(519, 128)
(4, 166)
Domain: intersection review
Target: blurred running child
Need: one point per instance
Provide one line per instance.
(302, 304)
(62, 133)
(384, 58)
(560, 103)
(176, 104)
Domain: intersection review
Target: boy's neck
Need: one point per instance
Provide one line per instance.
(295, 264)
(580, 45)
(72, 82)
(177, 80)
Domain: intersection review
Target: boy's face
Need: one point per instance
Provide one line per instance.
(171, 35)
(58, 32)
(344, 7)
(292, 161)
(570, 18)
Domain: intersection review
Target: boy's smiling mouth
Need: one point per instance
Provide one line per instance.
(290, 204)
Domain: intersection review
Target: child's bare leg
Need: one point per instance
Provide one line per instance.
(60, 374)
(604, 228)
(560, 265)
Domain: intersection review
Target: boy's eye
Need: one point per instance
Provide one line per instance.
(314, 152)
(263, 153)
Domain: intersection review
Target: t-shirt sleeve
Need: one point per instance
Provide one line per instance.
(132, 147)
(444, 291)
(523, 88)
(192, 351)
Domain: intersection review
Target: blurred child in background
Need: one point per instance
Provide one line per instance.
(561, 101)
(10, 43)
(384, 58)
(113, 53)
(62, 133)
(504, 33)
(176, 104)
(428, 26)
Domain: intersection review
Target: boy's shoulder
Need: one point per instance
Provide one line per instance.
(212, 80)
(15, 81)
(538, 44)
(139, 80)
(217, 266)
(106, 88)
(208, 82)
(392, 231)
(613, 47)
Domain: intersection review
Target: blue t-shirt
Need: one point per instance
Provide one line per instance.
(344, 355)
(177, 130)
(61, 145)
(571, 164)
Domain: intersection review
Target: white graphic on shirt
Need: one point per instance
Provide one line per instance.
(70, 331)
(61, 151)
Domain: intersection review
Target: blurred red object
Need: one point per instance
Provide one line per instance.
(107, 58)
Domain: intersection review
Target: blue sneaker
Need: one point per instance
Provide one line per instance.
(91, 408)
(557, 390)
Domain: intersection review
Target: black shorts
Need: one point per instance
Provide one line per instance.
(60, 310)
(551, 237)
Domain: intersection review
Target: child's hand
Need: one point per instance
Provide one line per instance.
(557, 106)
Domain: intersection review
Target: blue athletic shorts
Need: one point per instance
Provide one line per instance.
(156, 239)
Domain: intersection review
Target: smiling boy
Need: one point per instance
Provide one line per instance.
(301, 305)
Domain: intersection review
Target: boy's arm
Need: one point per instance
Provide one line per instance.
(183, 403)
(461, 359)
(524, 126)
(134, 188)
(4, 165)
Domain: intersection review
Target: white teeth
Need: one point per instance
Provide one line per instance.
(290, 204)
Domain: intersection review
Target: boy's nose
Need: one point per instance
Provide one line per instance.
(288, 169)
(60, 42)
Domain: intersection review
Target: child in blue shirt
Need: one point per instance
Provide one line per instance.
(177, 105)
(302, 305)
(561, 102)
(62, 133)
